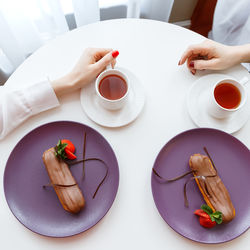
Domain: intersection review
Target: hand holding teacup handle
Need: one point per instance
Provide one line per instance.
(115, 53)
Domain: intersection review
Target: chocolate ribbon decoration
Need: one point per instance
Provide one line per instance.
(173, 179)
(205, 149)
(202, 177)
(58, 185)
(94, 159)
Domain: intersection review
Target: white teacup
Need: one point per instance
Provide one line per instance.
(218, 109)
(122, 91)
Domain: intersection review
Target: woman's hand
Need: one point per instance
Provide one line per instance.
(91, 63)
(212, 55)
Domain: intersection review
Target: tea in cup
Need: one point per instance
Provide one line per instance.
(227, 97)
(112, 89)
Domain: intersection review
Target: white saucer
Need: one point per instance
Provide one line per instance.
(197, 103)
(116, 118)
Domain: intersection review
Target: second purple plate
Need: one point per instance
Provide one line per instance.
(231, 159)
(39, 209)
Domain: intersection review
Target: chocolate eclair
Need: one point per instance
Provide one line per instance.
(211, 186)
(63, 182)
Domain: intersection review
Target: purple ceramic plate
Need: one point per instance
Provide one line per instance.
(39, 209)
(231, 158)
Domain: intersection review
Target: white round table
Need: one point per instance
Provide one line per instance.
(151, 50)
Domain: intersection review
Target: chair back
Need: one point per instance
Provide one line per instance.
(87, 11)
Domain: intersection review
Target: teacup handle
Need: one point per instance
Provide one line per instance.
(109, 67)
(244, 80)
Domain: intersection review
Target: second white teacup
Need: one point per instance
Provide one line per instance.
(112, 88)
(227, 97)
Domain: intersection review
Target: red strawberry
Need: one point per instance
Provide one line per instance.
(70, 146)
(207, 222)
(204, 219)
(65, 149)
(69, 154)
(200, 212)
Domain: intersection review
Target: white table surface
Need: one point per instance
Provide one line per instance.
(150, 49)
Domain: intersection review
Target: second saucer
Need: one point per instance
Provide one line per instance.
(197, 103)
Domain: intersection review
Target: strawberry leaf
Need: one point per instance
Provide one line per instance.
(216, 216)
(60, 150)
(207, 209)
(212, 218)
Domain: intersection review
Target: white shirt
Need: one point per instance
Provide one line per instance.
(18, 105)
(231, 23)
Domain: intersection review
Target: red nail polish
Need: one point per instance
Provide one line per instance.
(192, 72)
(115, 53)
(179, 62)
(191, 64)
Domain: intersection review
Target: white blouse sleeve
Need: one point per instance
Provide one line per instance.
(18, 105)
(231, 22)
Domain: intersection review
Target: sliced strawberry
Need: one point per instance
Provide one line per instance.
(204, 218)
(198, 212)
(69, 154)
(70, 146)
(207, 222)
(201, 213)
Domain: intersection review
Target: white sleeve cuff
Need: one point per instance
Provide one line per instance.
(41, 97)
(18, 105)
